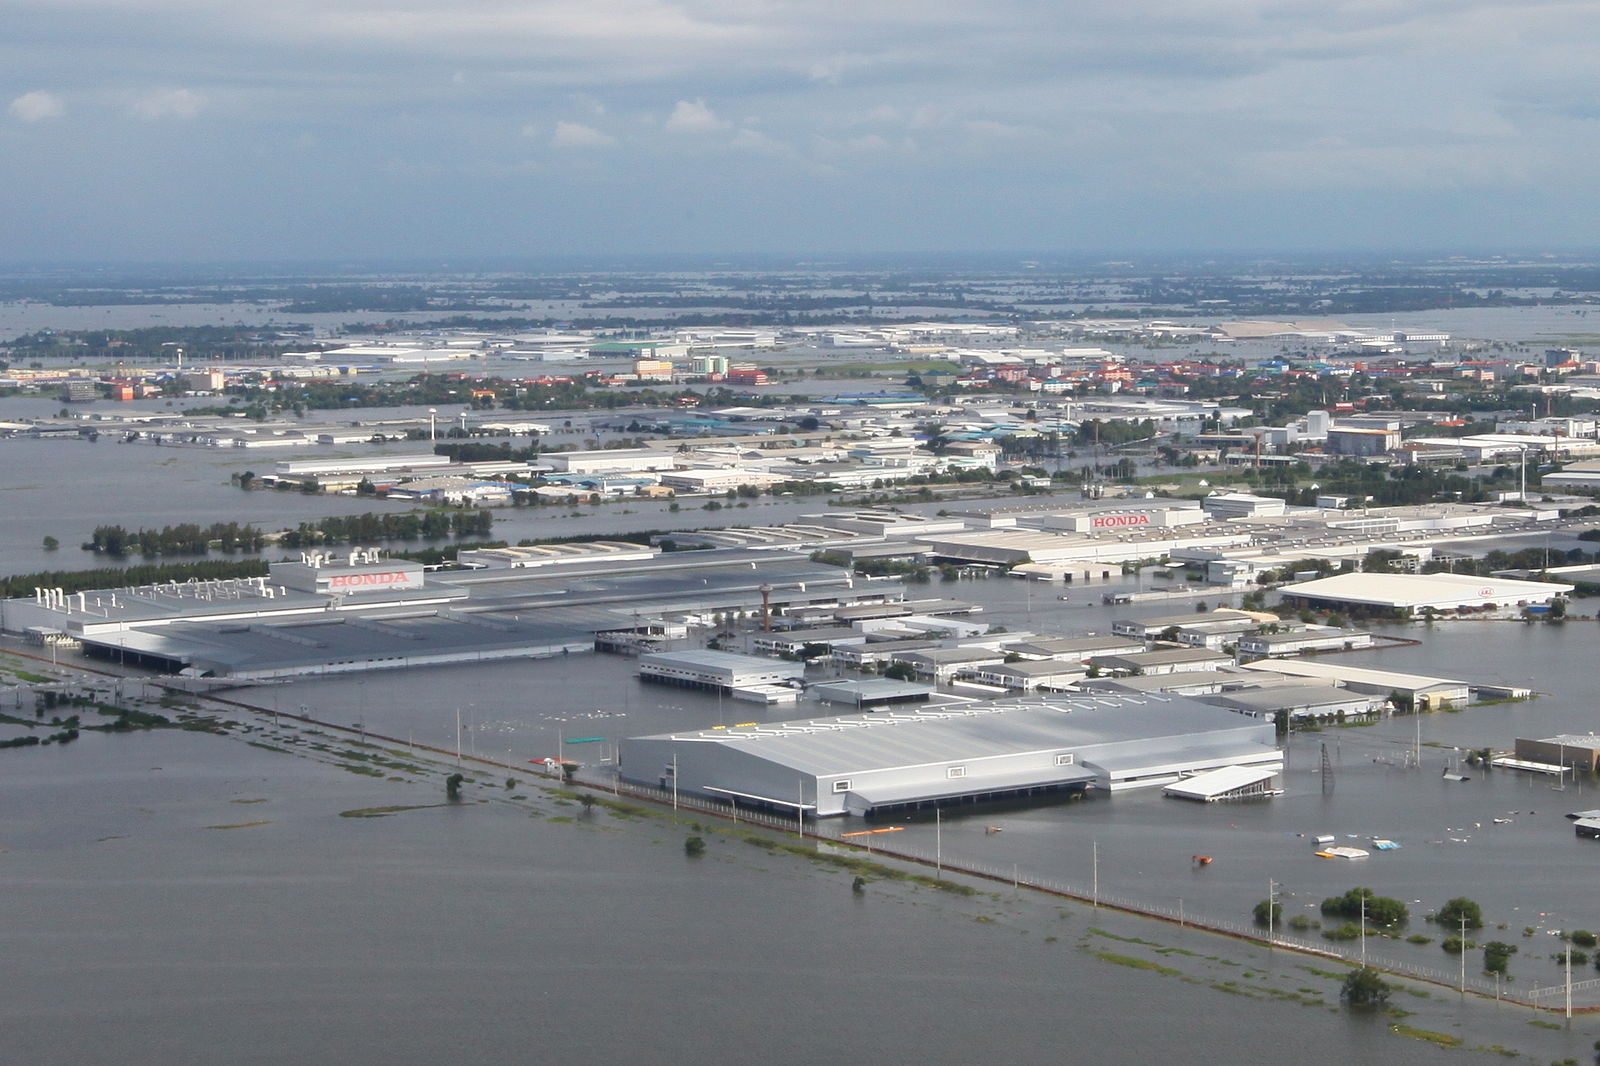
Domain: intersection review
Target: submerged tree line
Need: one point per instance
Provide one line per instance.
(186, 538)
(189, 538)
(366, 528)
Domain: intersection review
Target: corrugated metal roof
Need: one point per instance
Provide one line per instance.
(920, 791)
(871, 689)
(852, 743)
(1422, 590)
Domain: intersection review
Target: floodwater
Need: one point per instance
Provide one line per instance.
(64, 488)
(1479, 838)
(520, 711)
(1504, 324)
(481, 930)
(179, 897)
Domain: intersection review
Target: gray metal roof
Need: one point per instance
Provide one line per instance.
(947, 656)
(921, 791)
(858, 742)
(871, 689)
(1586, 741)
(488, 609)
(1038, 668)
(716, 660)
(279, 645)
(1072, 645)
(1221, 614)
(1162, 658)
(1288, 697)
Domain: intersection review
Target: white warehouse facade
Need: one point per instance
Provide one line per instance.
(875, 763)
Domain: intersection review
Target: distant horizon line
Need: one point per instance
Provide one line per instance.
(1016, 259)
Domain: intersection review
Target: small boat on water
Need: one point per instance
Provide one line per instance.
(1342, 853)
(1385, 845)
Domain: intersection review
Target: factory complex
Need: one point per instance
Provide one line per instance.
(333, 614)
(950, 707)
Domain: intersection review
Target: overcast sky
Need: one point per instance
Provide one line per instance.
(292, 129)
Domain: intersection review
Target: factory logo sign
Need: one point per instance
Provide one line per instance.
(1116, 521)
(380, 579)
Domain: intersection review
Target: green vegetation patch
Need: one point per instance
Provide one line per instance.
(384, 812)
(852, 863)
(1232, 988)
(1097, 931)
(237, 825)
(1444, 1040)
(1135, 964)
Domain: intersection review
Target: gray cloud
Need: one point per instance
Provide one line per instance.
(1142, 111)
(36, 106)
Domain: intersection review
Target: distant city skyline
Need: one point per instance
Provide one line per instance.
(180, 131)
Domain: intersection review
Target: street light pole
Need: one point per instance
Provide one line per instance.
(1364, 931)
(1568, 954)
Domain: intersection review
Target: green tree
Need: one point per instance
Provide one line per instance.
(1451, 914)
(1497, 956)
(1265, 910)
(1364, 987)
(1381, 911)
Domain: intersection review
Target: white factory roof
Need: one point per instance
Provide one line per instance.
(1584, 741)
(1415, 591)
(1216, 784)
(985, 730)
(710, 660)
(1358, 675)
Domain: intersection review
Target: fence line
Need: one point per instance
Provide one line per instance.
(1473, 984)
(813, 830)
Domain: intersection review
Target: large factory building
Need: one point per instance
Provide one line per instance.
(358, 611)
(876, 763)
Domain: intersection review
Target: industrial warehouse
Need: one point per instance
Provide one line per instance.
(1413, 594)
(334, 614)
(866, 764)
